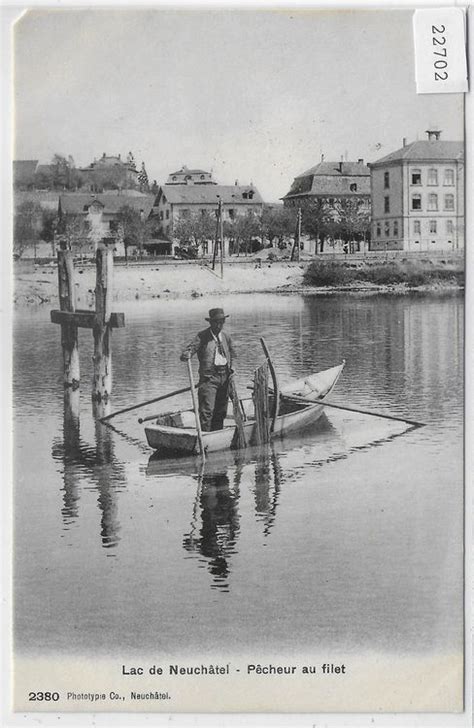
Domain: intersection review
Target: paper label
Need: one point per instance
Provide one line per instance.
(440, 50)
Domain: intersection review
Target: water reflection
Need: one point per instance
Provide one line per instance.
(268, 476)
(99, 463)
(216, 510)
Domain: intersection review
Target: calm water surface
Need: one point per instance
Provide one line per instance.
(348, 536)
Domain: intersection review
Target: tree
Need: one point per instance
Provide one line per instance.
(278, 222)
(143, 179)
(49, 223)
(130, 228)
(317, 219)
(72, 231)
(26, 227)
(195, 229)
(242, 232)
(353, 220)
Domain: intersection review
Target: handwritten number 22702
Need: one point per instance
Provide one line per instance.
(440, 51)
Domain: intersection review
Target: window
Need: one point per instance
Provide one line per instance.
(432, 201)
(174, 178)
(386, 204)
(433, 226)
(416, 176)
(449, 226)
(203, 212)
(432, 176)
(387, 229)
(161, 214)
(386, 180)
(202, 176)
(231, 213)
(353, 187)
(184, 213)
(416, 202)
(167, 214)
(448, 177)
(449, 202)
(416, 227)
(395, 228)
(379, 230)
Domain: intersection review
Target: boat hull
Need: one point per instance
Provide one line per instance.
(185, 441)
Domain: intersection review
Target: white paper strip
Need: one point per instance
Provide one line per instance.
(440, 50)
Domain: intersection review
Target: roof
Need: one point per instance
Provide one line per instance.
(75, 202)
(332, 179)
(185, 170)
(208, 194)
(47, 199)
(24, 171)
(337, 169)
(428, 150)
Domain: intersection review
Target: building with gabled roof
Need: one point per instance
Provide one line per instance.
(180, 201)
(99, 212)
(186, 176)
(329, 181)
(418, 196)
(110, 172)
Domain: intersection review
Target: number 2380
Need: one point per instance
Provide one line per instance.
(40, 696)
(439, 42)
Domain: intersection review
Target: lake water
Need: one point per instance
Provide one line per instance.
(348, 536)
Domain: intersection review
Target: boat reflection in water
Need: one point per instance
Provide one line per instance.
(216, 523)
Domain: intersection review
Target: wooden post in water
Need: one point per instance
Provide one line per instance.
(102, 331)
(67, 302)
(101, 321)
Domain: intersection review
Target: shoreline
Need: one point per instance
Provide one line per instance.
(37, 285)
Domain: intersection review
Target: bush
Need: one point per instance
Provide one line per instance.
(320, 273)
(413, 273)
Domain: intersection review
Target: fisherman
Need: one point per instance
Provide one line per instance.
(215, 353)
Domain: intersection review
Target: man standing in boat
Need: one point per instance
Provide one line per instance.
(215, 352)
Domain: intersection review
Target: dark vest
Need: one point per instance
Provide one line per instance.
(207, 351)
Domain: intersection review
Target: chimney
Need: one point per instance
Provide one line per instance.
(404, 141)
(119, 155)
(360, 161)
(341, 163)
(322, 157)
(433, 134)
(236, 182)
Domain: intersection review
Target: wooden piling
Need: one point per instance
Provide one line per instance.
(67, 302)
(102, 330)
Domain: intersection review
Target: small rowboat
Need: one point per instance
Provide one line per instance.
(175, 432)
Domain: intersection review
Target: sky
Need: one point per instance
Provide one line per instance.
(255, 95)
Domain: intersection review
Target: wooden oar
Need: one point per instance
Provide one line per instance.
(143, 404)
(276, 386)
(196, 408)
(353, 409)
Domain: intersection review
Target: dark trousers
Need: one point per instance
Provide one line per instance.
(213, 398)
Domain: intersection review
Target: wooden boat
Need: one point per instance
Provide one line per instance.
(175, 432)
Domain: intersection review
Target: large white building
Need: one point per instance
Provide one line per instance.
(418, 197)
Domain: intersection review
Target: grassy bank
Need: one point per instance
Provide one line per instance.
(409, 272)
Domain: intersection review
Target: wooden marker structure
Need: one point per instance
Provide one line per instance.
(101, 321)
